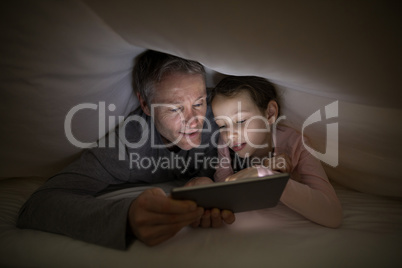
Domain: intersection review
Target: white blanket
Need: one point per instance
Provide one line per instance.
(369, 237)
(60, 54)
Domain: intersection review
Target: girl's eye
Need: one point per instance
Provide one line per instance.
(222, 127)
(241, 121)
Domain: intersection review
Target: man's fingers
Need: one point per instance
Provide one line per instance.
(151, 218)
(206, 219)
(172, 218)
(153, 228)
(155, 218)
(228, 216)
(196, 223)
(216, 220)
(155, 200)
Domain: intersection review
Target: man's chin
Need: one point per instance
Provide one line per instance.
(188, 145)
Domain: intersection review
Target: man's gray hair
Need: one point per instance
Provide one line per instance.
(152, 66)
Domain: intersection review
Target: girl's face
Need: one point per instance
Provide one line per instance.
(243, 126)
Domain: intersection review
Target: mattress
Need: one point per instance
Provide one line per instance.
(370, 236)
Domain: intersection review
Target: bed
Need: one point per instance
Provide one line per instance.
(59, 54)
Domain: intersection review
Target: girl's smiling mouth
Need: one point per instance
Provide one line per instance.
(238, 147)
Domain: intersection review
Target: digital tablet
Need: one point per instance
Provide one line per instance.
(237, 196)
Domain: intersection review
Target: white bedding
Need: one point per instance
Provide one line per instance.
(370, 236)
(59, 54)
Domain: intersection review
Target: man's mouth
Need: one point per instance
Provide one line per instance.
(190, 133)
(238, 147)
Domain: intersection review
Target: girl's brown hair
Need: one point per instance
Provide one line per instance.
(260, 89)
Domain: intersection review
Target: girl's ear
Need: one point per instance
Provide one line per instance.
(272, 111)
(144, 105)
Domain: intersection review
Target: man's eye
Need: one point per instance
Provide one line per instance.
(175, 110)
(222, 127)
(198, 104)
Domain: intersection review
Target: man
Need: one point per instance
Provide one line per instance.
(173, 124)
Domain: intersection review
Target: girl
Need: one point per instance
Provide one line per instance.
(246, 109)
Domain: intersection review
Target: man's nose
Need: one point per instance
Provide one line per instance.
(191, 119)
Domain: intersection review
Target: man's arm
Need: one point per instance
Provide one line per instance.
(66, 204)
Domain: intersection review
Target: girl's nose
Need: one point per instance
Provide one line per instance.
(234, 135)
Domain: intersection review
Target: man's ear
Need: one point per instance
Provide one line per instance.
(272, 111)
(144, 105)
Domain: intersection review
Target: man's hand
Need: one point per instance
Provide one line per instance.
(215, 218)
(154, 218)
(212, 218)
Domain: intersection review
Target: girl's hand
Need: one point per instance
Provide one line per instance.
(280, 163)
(250, 172)
(198, 181)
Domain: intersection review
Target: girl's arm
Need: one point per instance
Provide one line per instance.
(310, 193)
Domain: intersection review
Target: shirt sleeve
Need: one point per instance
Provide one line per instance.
(309, 191)
(67, 204)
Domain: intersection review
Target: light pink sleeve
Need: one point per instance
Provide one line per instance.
(309, 191)
(224, 168)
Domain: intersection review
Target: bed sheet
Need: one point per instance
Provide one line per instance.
(370, 235)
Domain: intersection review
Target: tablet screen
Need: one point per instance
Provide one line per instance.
(237, 196)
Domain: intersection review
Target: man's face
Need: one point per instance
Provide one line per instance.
(178, 109)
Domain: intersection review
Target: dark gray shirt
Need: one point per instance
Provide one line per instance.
(67, 203)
